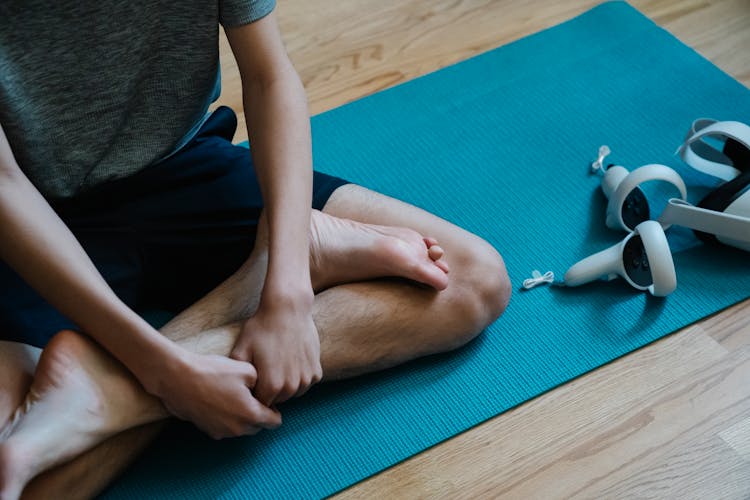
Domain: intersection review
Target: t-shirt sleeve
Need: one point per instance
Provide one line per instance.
(233, 13)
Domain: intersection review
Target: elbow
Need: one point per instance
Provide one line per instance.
(11, 178)
(10, 173)
(9, 169)
(280, 80)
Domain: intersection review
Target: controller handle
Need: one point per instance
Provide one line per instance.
(601, 265)
(643, 259)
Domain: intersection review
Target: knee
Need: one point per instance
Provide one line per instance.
(482, 288)
(487, 283)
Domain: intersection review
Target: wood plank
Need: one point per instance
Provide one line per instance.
(738, 438)
(702, 467)
(730, 327)
(589, 435)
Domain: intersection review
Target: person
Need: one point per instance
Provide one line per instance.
(119, 192)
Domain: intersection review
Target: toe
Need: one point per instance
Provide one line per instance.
(435, 252)
(432, 276)
(442, 265)
(430, 241)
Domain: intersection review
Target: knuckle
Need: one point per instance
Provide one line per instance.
(275, 386)
(240, 350)
(317, 375)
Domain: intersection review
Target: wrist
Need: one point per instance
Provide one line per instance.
(288, 247)
(290, 297)
(288, 272)
(158, 364)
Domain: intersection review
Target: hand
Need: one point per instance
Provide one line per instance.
(213, 392)
(282, 342)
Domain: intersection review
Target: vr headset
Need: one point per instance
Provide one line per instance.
(643, 258)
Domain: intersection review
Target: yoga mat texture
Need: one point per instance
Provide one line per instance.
(501, 145)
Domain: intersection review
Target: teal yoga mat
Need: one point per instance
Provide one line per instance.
(501, 145)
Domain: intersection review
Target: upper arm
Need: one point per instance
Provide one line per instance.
(259, 50)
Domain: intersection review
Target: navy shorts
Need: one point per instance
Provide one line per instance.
(162, 238)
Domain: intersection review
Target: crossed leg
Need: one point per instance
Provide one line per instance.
(363, 326)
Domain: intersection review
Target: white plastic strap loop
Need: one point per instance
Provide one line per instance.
(703, 157)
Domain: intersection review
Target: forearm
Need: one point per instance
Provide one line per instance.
(38, 245)
(280, 339)
(279, 129)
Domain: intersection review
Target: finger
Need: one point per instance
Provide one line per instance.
(251, 375)
(252, 430)
(242, 351)
(286, 394)
(266, 417)
(226, 431)
(245, 370)
(309, 382)
(303, 388)
(267, 389)
(289, 389)
(238, 353)
(243, 427)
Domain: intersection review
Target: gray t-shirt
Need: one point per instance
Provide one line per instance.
(97, 90)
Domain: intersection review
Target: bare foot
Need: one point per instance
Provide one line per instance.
(66, 413)
(344, 250)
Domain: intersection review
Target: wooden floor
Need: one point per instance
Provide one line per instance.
(669, 421)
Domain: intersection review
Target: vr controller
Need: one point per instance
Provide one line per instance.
(643, 258)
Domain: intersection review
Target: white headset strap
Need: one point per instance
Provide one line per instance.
(701, 156)
(681, 213)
